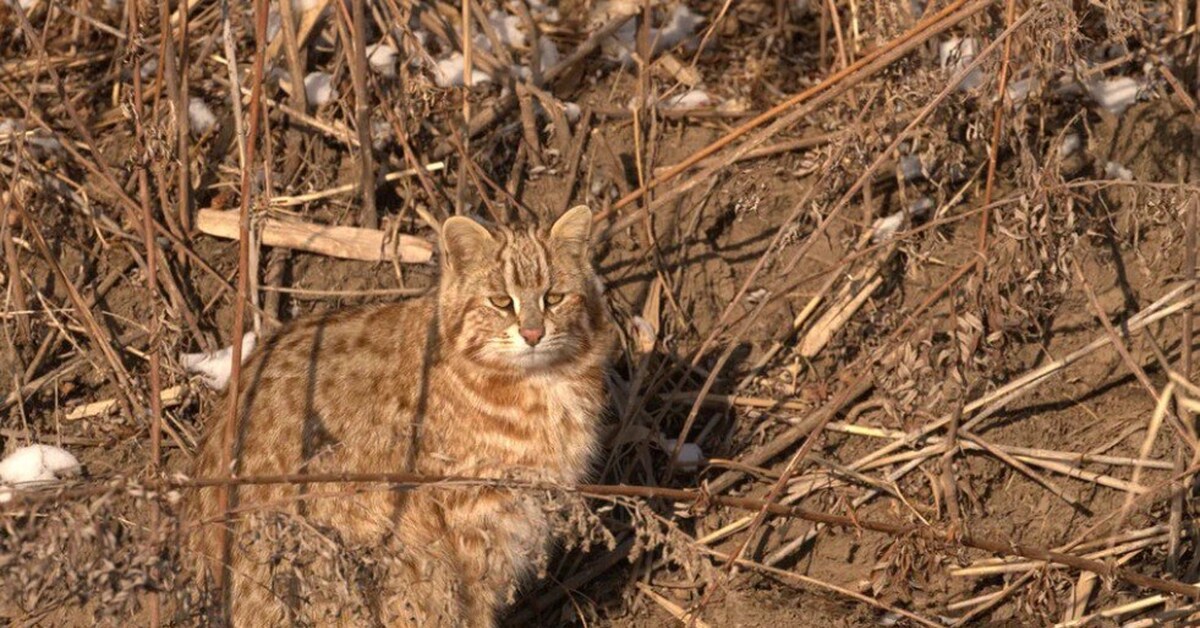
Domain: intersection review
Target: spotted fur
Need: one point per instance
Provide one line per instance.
(442, 385)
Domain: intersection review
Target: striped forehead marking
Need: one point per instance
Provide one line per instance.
(525, 262)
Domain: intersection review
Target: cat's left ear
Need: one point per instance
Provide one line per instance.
(572, 232)
(466, 243)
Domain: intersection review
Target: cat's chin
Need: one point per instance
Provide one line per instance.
(530, 361)
(535, 360)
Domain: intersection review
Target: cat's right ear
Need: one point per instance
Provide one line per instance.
(466, 242)
(572, 232)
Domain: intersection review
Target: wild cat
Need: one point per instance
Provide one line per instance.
(498, 373)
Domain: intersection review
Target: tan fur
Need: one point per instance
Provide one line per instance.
(440, 385)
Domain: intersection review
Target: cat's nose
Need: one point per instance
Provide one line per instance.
(532, 335)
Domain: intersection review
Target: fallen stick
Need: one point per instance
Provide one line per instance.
(31, 387)
(994, 568)
(300, 199)
(1117, 611)
(1166, 618)
(1030, 452)
(681, 614)
(170, 397)
(368, 245)
(785, 146)
(788, 438)
(837, 317)
(808, 580)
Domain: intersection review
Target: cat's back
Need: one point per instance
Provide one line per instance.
(334, 387)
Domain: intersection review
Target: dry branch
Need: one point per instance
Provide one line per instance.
(169, 397)
(369, 245)
(685, 617)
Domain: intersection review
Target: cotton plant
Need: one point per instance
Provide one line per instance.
(216, 367)
(35, 464)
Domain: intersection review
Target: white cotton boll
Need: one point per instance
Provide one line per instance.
(274, 23)
(1070, 143)
(318, 87)
(543, 12)
(597, 188)
(921, 207)
(301, 6)
(448, 72)
(911, 168)
(382, 58)
(549, 53)
(691, 99)
(606, 10)
(885, 228)
(619, 46)
(956, 54)
(1115, 94)
(481, 42)
(215, 368)
(690, 455)
(276, 74)
(1067, 87)
(200, 116)
(572, 111)
(1114, 170)
(508, 29)
(381, 134)
(1112, 51)
(680, 26)
(1018, 91)
(37, 138)
(37, 463)
(149, 68)
(644, 334)
(952, 51)
(41, 140)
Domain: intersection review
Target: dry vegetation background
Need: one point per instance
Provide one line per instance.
(905, 289)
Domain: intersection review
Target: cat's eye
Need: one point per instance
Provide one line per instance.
(501, 301)
(553, 298)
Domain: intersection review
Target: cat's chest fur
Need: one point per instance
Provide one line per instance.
(537, 427)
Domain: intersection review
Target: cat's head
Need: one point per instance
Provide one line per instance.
(520, 298)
